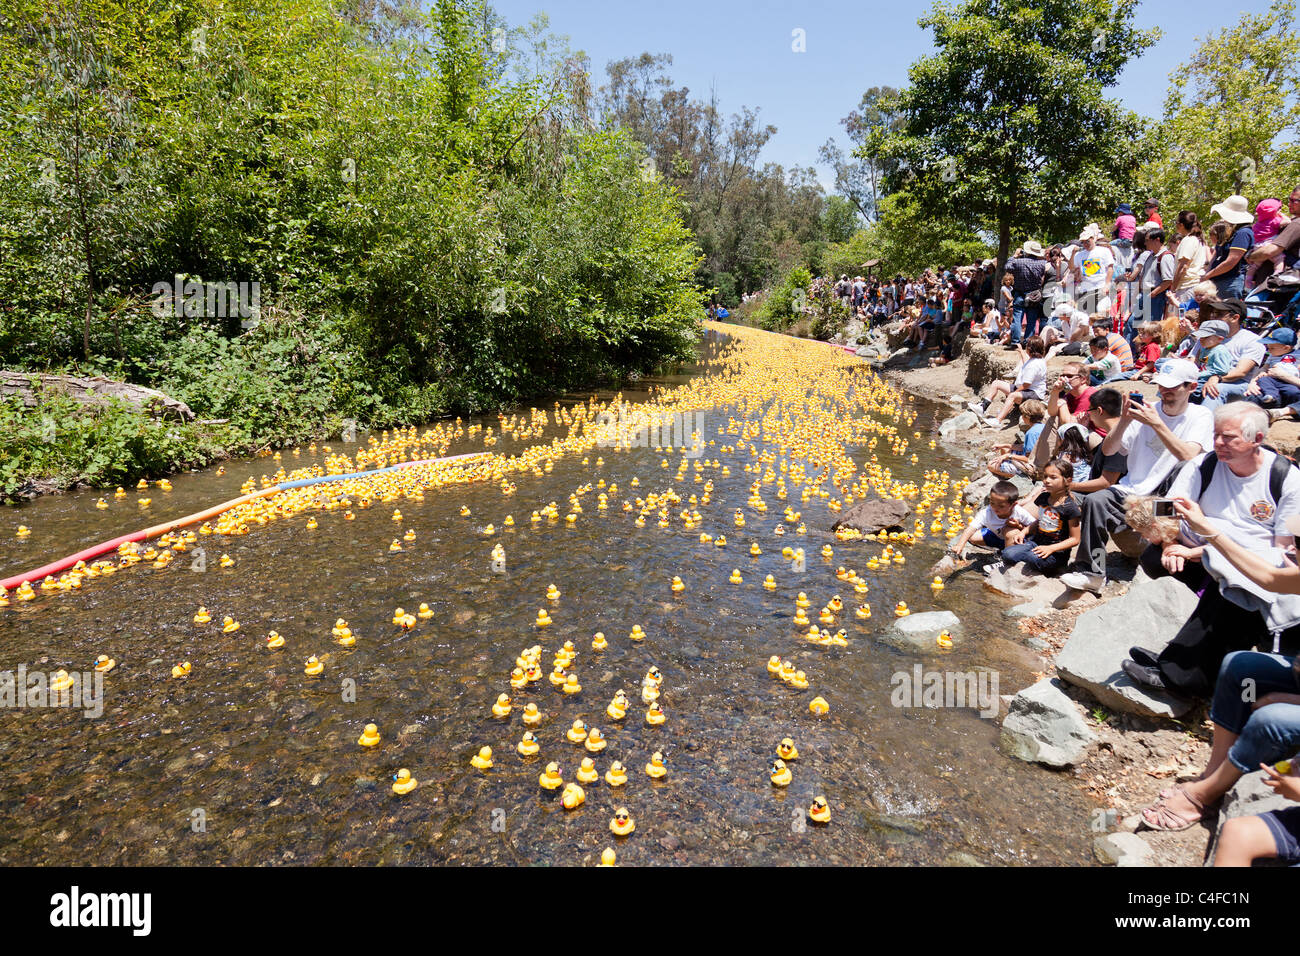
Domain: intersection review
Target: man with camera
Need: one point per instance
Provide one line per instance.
(1249, 492)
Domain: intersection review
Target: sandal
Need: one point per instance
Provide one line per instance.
(1168, 820)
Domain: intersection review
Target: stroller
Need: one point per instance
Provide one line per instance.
(1274, 303)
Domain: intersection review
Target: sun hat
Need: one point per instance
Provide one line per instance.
(1034, 248)
(1176, 372)
(1123, 209)
(1234, 209)
(1090, 231)
(1211, 327)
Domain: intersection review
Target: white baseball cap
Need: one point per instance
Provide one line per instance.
(1176, 372)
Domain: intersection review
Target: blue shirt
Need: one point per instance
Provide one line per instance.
(1031, 439)
(1243, 238)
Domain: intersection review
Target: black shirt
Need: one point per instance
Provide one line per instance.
(1054, 520)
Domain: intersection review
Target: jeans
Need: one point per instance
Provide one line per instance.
(1230, 286)
(1228, 391)
(1275, 392)
(1053, 564)
(1024, 317)
(1103, 512)
(1265, 735)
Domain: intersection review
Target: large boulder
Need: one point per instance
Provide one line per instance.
(958, 423)
(1044, 726)
(921, 631)
(875, 514)
(977, 492)
(1148, 614)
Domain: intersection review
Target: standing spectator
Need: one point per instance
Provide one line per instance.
(1192, 256)
(1026, 273)
(1093, 268)
(1157, 279)
(1228, 266)
(1152, 210)
(1243, 345)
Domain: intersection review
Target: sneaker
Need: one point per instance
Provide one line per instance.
(1084, 581)
(997, 567)
(992, 422)
(1143, 676)
(1279, 415)
(976, 407)
(1141, 655)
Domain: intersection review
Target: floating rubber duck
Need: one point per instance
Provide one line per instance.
(819, 811)
(403, 782)
(483, 759)
(502, 706)
(607, 857)
(104, 663)
(595, 742)
(314, 667)
(528, 744)
(424, 613)
(654, 716)
(863, 611)
(598, 642)
(311, 523)
(550, 778)
(119, 493)
(543, 619)
(944, 639)
(780, 773)
(774, 665)
(799, 681)
(144, 502)
(786, 749)
(369, 736)
(182, 670)
(532, 716)
(571, 685)
(818, 706)
(229, 625)
(801, 602)
(755, 550)
(901, 609)
(936, 585)
(60, 681)
(649, 692)
(617, 708)
(655, 768)
(572, 796)
(735, 577)
(636, 634)
(395, 546)
(141, 485)
(622, 824)
(227, 561)
(274, 641)
(678, 586)
(202, 617)
(801, 618)
(410, 534)
(577, 733)
(587, 773)
(616, 775)
(101, 504)
(552, 593)
(769, 583)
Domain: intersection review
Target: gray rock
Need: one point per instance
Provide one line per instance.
(874, 515)
(920, 631)
(977, 492)
(960, 859)
(1150, 614)
(1249, 796)
(1122, 849)
(958, 423)
(1044, 726)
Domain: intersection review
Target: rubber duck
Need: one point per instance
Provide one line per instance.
(622, 824)
(60, 681)
(819, 811)
(144, 502)
(532, 716)
(202, 617)
(311, 523)
(314, 667)
(403, 782)
(636, 634)
(571, 685)
(104, 663)
(838, 639)
(655, 768)
(649, 692)
(653, 676)
(936, 585)
(395, 546)
(769, 583)
(397, 515)
(826, 617)
(424, 613)
(344, 636)
(654, 716)
(587, 773)
(801, 618)
(227, 561)
(863, 611)
(944, 639)
(799, 681)
(141, 485)
(573, 796)
(786, 749)
(182, 670)
(901, 609)
(595, 742)
(720, 541)
(369, 736)
(616, 775)
(543, 619)
(818, 706)
(774, 665)
(780, 773)
(410, 534)
(274, 641)
(483, 759)
(552, 593)
(735, 577)
(801, 602)
(1283, 766)
(229, 625)
(119, 493)
(577, 733)
(550, 778)
(502, 706)
(678, 586)
(528, 745)
(754, 549)
(607, 857)
(617, 708)
(598, 642)
(101, 504)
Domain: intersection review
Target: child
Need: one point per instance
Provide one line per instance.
(1278, 383)
(1077, 450)
(1000, 515)
(1005, 294)
(1269, 220)
(1046, 543)
(1030, 381)
(1011, 462)
(1265, 835)
(1212, 355)
(1104, 367)
(992, 321)
(1148, 336)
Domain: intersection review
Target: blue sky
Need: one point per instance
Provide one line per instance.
(743, 47)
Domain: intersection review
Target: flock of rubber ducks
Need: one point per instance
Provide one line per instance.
(804, 432)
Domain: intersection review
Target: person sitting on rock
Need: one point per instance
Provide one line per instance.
(991, 523)
(1045, 544)
(1009, 462)
(1251, 492)
(1072, 386)
(1030, 382)
(1155, 439)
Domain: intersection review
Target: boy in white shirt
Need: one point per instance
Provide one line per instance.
(990, 524)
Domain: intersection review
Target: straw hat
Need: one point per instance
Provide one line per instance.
(1034, 249)
(1234, 209)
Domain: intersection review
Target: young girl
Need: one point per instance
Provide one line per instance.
(1045, 545)
(1269, 220)
(1074, 448)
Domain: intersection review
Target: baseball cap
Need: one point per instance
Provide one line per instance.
(1280, 337)
(1211, 327)
(1176, 372)
(1227, 306)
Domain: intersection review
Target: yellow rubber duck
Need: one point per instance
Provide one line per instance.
(678, 586)
(410, 534)
(936, 585)
(559, 676)
(403, 782)
(311, 523)
(572, 797)
(720, 541)
(395, 546)
(780, 773)
(617, 708)
(274, 641)
(182, 669)
(104, 663)
(655, 768)
(314, 667)
(901, 609)
(528, 744)
(616, 775)
(818, 706)
(595, 742)
(141, 485)
(227, 561)
(577, 733)
(864, 611)
(101, 504)
(543, 619)
(654, 716)
(735, 577)
(424, 613)
(369, 736)
(636, 634)
(819, 811)
(786, 749)
(607, 857)
(774, 665)
(60, 681)
(229, 625)
(944, 639)
(143, 502)
(801, 618)
(502, 706)
(598, 642)
(587, 773)
(119, 493)
(755, 550)
(25, 591)
(552, 593)
(622, 824)
(483, 759)
(344, 636)
(550, 778)
(799, 681)
(769, 583)
(801, 602)
(532, 716)
(202, 617)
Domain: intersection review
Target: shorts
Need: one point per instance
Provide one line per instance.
(1285, 827)
(992, 540)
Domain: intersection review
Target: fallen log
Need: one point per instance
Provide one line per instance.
(93, 392)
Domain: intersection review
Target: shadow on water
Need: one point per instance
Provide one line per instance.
(270, 756)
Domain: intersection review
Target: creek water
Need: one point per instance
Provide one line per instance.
(250, 762)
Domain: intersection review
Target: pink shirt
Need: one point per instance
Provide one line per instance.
(1125, 226)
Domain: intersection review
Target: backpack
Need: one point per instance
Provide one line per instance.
(1277, 473)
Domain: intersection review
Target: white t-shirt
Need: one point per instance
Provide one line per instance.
(991, 320)
(1241, 507)
(1197, 255)
(1092, 265)
(1149, 460)
(1246, 343)
(985, 518)
(1034, 372)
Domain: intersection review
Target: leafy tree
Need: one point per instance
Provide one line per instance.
(861, 176)
(1007, 124)
(839, 219)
